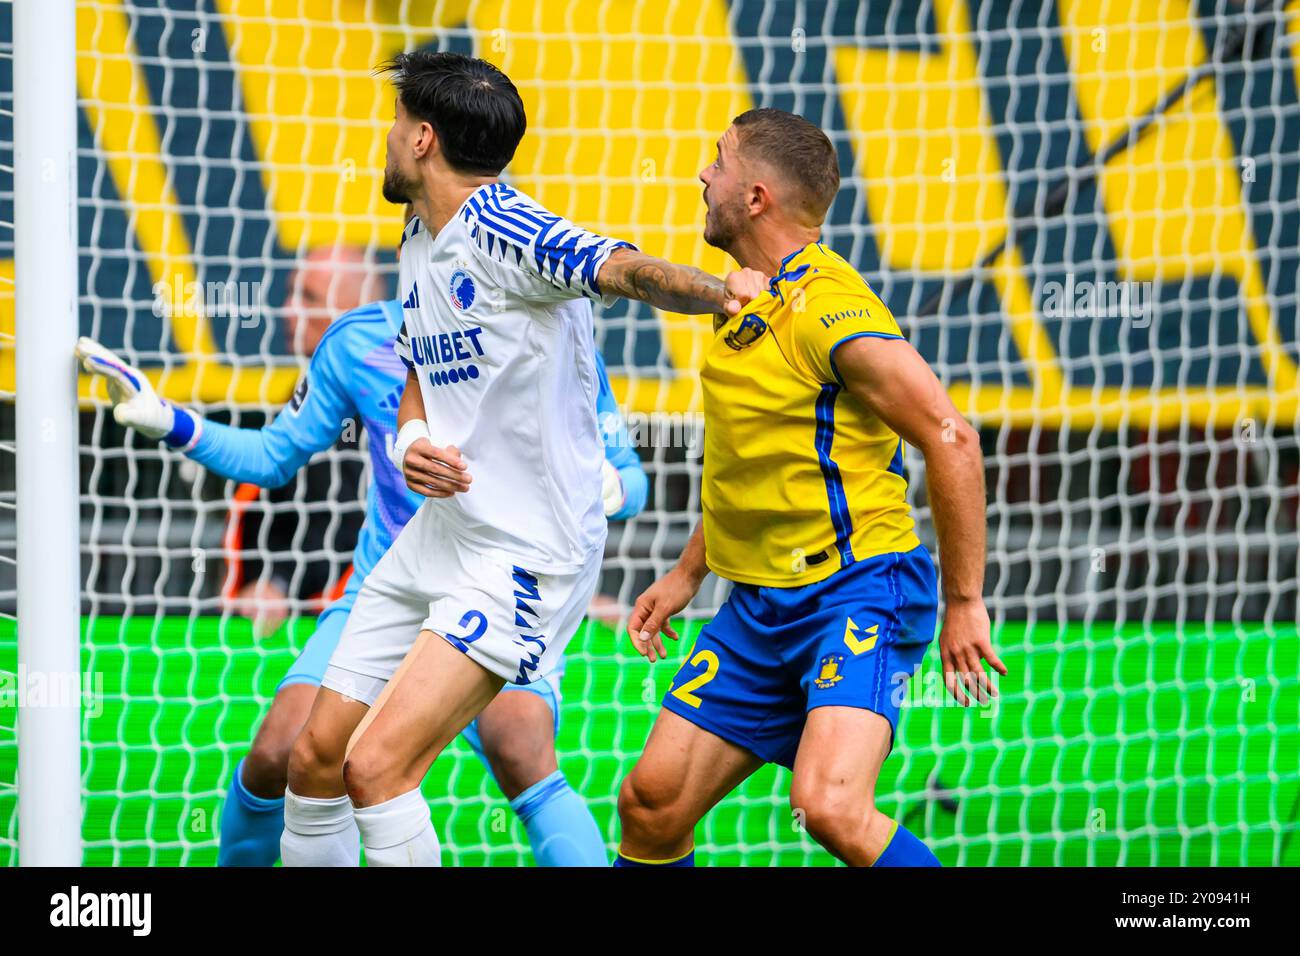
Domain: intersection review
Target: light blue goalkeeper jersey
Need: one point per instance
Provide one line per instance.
(355, 375)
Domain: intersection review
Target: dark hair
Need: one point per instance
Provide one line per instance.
(796, 149)
(472, 106)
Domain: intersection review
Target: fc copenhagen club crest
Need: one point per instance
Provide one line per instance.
(462, 290)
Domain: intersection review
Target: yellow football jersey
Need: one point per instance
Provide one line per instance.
(800, 478)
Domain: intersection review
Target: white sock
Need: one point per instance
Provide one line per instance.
(319, 832)
(399, 832)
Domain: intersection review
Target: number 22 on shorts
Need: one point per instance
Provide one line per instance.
(710, 662)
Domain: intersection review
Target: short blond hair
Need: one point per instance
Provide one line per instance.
(796, 149)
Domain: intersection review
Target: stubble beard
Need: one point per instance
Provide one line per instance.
(719, 229)
(396, 188)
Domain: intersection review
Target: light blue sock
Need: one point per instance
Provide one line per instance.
(250, 826)
(687, 860)
(904, 848)
(561, 830)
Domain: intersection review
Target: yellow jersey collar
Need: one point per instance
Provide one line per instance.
(789, 272)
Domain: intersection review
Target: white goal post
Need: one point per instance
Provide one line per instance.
(49, 566)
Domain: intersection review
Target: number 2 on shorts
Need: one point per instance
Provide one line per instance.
(710, 662)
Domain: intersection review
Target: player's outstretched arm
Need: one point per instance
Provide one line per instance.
(267, 456)
(652, 614)
(663, 284)
(891, 378)
(429, 470)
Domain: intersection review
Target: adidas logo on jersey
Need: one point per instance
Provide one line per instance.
(413, 299)
(393, 400)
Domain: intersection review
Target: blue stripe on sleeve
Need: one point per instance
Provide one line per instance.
(838, 504)
(502, 229)
(563, 254)
(896, 463)
(830, 353)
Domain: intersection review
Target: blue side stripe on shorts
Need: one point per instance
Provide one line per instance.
(891, 626)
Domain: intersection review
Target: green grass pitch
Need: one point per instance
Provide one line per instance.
(1137, 745)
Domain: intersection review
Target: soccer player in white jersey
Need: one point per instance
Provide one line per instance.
(498, 429)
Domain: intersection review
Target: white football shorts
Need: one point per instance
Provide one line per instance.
(510, 619)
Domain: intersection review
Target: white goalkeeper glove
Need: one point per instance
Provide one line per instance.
(611, 489)
(135, 403)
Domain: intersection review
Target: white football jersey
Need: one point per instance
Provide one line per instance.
(498, 326)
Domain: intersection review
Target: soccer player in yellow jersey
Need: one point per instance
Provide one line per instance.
(810, 391)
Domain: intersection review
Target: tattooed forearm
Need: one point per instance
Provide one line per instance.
(663, 284)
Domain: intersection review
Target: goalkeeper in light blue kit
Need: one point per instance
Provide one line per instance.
(354, 373)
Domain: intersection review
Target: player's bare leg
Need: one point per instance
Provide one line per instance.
(683, 772)
(252, 816)
(266, 767)
(515, 736)
(518, 734)
(384, 695)
(316, 764)
(319, 829)
(834, 787)
(440, 691)
(835, 772)
(516, 730)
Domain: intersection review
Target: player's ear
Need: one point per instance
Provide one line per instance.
(426, 141)
(759, 199)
